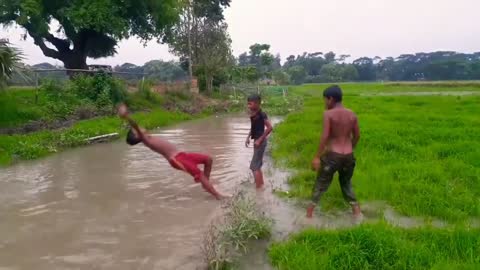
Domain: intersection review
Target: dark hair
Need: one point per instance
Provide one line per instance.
(334, 92)
(132, 139)
(254, 98)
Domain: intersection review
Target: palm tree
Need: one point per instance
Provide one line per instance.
(10, 59)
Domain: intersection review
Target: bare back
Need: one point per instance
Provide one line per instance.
(161, 146)
(343, 123)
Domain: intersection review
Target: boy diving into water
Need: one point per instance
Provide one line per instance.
(341, 134)
(187, 162)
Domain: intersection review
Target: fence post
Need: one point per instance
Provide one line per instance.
(36, 88)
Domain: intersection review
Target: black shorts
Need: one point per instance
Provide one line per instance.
(332, 163)
(257, 159)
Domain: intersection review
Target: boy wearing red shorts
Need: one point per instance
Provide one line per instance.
(187, 162)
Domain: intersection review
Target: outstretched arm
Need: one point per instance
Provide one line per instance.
(356, 133)
(325, 135)
(123, 113)
(323, 142)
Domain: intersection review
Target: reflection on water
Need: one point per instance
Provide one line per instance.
(113, 206)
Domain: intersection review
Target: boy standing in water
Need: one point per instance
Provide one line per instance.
(187, 162)
(259, 131)
(341, 134)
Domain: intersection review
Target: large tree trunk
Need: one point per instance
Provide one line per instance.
(74, 60)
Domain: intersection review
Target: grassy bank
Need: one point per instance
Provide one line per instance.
(39, 144)
(18, 108)
(355, 89)
(379, 247)
(418, 154)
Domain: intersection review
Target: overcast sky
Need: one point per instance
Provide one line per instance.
(355, 27)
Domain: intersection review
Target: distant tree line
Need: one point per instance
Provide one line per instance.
(258, 64)
(318, 67)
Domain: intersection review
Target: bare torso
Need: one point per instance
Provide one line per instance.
(161, 146)
(342, 123)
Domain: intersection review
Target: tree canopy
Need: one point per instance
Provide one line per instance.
(10, 58)
(73, 30)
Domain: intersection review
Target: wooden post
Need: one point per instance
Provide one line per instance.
(36, 88)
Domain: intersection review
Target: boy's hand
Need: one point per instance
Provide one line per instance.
(258, 143)
(122, 111)
(316, 164)
(247, 142)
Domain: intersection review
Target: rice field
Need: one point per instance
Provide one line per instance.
(418, 154)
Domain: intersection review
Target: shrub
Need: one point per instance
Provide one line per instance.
(242, 222)
(99, 86)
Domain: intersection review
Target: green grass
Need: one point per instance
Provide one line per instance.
(420, 155)
(379, 247)
(39, 144)
(355, 89)
(229, 237)
(17, 106)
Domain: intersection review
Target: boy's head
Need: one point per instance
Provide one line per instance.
(332, 95)
(254, 102)
(132, 138)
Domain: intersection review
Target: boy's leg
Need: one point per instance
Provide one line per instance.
(324, 179)
(257, 163)
(207, 186)
(206, 160)
(345, 179)
(190, 161)
(207, 169)
(258, 175)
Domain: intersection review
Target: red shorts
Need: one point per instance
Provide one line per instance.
(190, 162)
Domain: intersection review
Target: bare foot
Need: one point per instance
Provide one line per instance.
(222, 197)
(310, 211)
(357, 213)
(261, 188)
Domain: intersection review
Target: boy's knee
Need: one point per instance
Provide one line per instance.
(209, 160)
(199, 177)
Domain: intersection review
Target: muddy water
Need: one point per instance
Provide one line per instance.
(113, 206)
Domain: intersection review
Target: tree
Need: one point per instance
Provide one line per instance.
(214, 51)
(331, 73)
(161, 71)
(297, 74)
(311, 62)
(281, 77)
(239, 74)
(183, 37)
(365, 68)
(87, 28)
(349, 73)
(10, 59)
(330, 57)
(260, 57)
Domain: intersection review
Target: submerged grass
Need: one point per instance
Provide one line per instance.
(379, 247)
(421, 155)
(229, 237)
